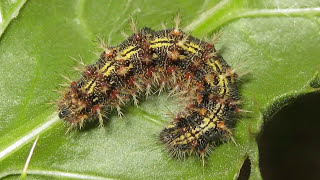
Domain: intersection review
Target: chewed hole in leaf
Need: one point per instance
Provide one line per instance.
(289, 146)
(315, 83)
(245, 170)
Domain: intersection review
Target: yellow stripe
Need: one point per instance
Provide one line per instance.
(216, 107)
(197, 135)
(105, 66)
(221, 83)
(182, 137)
(170, 126)
(226, 83)
(160, 39)
(205, 122)
(211, 125)
(124, 52)
(212, 64)
(190, 49)
(205, 130)
(182, 57)
(182, 142)
(128, 55)
(88, 84)
(221, 110)
(160, 45)
(92, 88)
(188, 134)
(218, 64)
(195, 46)
(130, 66)
(190, 138)
(211, 116)
(221, 80)
(108, 72)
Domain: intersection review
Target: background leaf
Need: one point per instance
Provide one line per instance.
(9, 10)
(278, 43)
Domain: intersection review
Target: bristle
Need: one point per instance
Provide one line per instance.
(125, 35)
(64, 85)
(162, 86)
(121, 101)
(173, 91)
(148, 90)
(138, 86)
(71, 126)
(244, 111)
(100, 118)
(163, 25)
(66, 78)
(134, 26)
(135, 100)
(149, 62)
(120, 114)
(215, 37)
(59, 91)
(177, 21)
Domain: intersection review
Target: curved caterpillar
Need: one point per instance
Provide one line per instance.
(167, 59)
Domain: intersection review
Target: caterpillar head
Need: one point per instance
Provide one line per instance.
(71, 108)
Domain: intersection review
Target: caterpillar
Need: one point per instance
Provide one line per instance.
(169, 60)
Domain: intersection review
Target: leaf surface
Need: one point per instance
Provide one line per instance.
(275, 43)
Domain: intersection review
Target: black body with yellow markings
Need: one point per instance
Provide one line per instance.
(167, 60)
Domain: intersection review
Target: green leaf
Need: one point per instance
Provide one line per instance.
(8, 11)
(275, 43)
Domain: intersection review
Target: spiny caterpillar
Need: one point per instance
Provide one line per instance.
(167, 60)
